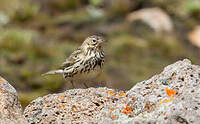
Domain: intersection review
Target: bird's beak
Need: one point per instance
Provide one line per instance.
(103, 41)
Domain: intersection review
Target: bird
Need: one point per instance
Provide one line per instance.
(85, 62)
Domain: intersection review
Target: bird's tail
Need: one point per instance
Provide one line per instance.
(60, 71)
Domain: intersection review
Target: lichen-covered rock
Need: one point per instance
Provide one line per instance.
(170, 97)
(10, 108)
(72, 106)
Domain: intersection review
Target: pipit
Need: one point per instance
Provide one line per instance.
(84, 62)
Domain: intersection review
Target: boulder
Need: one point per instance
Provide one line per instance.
(10, 107)
(72, 106)
(171, 97)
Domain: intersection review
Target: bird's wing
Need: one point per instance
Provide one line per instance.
(73, 58)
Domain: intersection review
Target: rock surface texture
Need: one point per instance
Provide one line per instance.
(73, 106)
(171, 97)
(10, 108)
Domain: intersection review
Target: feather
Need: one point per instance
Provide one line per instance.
(60, 71)
(73, 58)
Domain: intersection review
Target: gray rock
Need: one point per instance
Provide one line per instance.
(72, 106)
(10, 107)
(171, 97)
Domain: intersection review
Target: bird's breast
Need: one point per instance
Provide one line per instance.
(87, 67)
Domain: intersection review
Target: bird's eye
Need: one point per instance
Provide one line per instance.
(94, 41)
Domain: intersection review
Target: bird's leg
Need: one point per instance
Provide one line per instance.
(85, 85)
(72, 83)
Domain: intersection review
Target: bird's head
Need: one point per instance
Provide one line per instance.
(94, 42)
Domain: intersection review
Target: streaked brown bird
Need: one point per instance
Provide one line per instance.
(85, 62)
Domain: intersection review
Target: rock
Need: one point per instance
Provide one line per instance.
(10, 107)
(193, 36)
(156, 18)
(72, 106)
(171, 97)
(3, 19)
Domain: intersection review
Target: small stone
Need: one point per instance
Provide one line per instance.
(156, 18)
(193, 36)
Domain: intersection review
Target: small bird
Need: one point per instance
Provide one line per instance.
(85, 62)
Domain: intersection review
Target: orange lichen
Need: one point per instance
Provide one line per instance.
(147, 106)
(110, 92)
(170, 92)
(1, 79)
(150, 86)
(113, 117)
(127, 109)
(111, 108)
(62, 96)
(134, 99)
(126, 112)
(165, 101)
(122, 94)
(63, 105)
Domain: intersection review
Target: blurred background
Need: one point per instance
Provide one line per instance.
(144, 36)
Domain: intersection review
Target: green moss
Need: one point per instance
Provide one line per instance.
(27, 11)
(96, 2)
(63, 5)
(15, 39)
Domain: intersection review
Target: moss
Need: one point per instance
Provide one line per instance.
(96, 2)
(15, 39)
(63, 5)
(27, 11)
